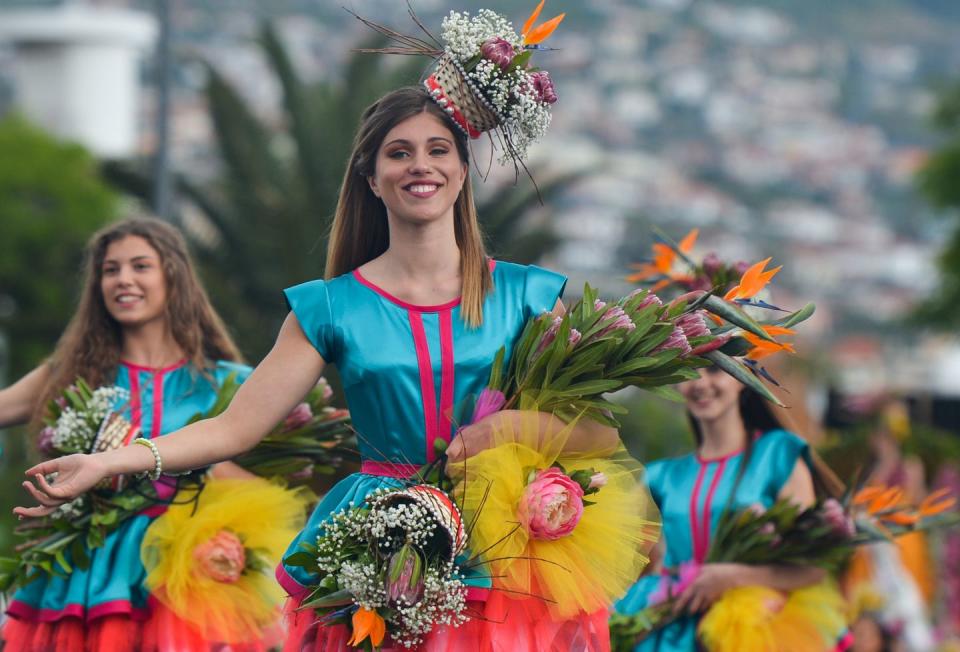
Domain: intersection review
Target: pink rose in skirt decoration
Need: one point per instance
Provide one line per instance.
(221, 558)
(551, 506)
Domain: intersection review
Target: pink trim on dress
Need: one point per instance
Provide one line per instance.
(23, 611)
(136, 408)
(294, 589)
(449, 305)
(428, 395)
(448, 370)
(161, 370)
(388, 469)
(694, 521)
(157, 404)
(705, 534)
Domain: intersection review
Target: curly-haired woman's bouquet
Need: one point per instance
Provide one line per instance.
(86, 420)
(823, 535)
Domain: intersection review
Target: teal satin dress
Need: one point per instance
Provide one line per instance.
(161, 401)
(410, 373)
(692, 494)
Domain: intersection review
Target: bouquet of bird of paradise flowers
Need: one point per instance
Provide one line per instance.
(565, 364)
(86, 420)
(389, 566)
(823, 535)
(739, 284)
(311, 440)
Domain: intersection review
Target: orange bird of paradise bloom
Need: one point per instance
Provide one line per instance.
(367, 622)
(763, 348)
(937, 502)
(752, 281)
(531, 35)
(664, 257)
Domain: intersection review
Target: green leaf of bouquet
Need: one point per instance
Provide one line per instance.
(496, 371)
(656, 336)
(335, 599)
(667, 392)
(736, 316)
(62, 560)
(741, 373)
(301, 559)
(519, 61)
(797, 317)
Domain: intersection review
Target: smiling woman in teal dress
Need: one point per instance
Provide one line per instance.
(412, 312)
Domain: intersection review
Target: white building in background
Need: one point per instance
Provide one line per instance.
(77, 71)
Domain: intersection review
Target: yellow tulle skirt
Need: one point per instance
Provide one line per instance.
(212, 563)
(762, 619)
(582, 572)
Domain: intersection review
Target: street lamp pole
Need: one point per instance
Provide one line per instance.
(163, 187)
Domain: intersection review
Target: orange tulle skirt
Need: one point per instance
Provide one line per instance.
(498, 624)
(161, 632)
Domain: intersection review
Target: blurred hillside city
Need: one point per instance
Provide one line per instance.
(777, 128)
(792, 130)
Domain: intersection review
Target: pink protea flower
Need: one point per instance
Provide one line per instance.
(405, 577)
(837, 518)
(498, 51)
(615, 319)
(45, 441)
(299, 417)
(324, 385)
(598, 480)
(574, 337)
(650, 300)
(550, 335)
(551, 506)
(712, 264)
(677, 340)
(693, 324)
(222, 558)
(543, 87)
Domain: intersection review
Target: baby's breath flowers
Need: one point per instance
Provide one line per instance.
(394, 557)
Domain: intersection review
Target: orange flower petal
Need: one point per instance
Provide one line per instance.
(363, 622)
(686, 245)
(663, 257)
(533, 17)
(752, 281)
(542, 32)
(867, 494)
(938, 502)
(889, 498)
(378, 630)
(901, 518)
(773, 331)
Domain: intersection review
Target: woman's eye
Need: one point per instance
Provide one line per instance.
(141, 266)
(439, 151)
(397, 154)
(107, 271)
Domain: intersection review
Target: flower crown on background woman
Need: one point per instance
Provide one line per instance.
(483, 78)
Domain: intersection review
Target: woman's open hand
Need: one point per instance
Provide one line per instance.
(76, 474)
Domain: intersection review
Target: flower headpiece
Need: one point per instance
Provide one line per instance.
(483, 78)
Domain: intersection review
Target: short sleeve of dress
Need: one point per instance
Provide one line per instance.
(310, 302)
(781, 450)
(541, 290)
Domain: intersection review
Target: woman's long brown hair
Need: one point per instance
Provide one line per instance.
(91, 344)
(360, 233)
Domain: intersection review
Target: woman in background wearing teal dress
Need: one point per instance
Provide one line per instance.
(145, 324)
(744, 457)
(412, 312)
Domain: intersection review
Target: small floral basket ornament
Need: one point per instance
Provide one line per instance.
(483, 78)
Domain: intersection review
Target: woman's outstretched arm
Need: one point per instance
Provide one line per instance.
(278, 383)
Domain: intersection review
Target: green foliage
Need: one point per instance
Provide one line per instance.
(939, 181)
(51, 200)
